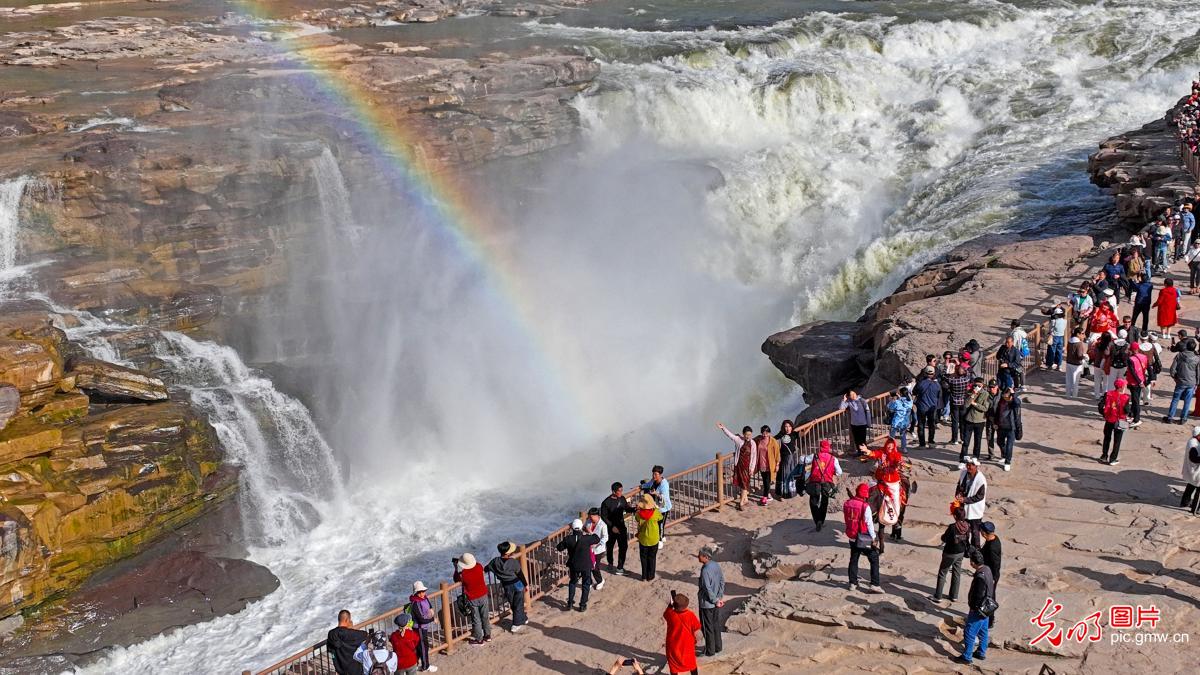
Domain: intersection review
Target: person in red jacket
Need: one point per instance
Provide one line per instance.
(861, 532)
(682, 626)
(1115, 408)
(404, 642)
(475, 587)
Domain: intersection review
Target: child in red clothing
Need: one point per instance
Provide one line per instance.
(404, 642)
(682, 626)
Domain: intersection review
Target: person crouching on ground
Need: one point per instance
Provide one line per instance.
(745, 461)
(860, 530)
(682, 626)
(975, 631)
(648, 517)
(506, 569)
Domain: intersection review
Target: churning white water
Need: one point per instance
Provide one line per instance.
(852, 148)
(11, 191)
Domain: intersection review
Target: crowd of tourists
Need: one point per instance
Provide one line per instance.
(1094, 333)
(1187, 119)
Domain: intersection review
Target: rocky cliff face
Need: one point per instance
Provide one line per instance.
(95, 462)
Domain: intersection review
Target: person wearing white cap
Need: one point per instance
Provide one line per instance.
(475, 587)
(578, 547)
(1110, 297)
(1191, 473)
(1058, 336)
(424, 620)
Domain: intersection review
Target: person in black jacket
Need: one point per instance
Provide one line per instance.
(1009, 367)
(991, 557)
(1008, 425)
(578, 547)
(976, 629)
(613, 510)
(506, 569)
(342, 642)
(955, 542)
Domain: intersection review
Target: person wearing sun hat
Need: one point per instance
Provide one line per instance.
(424, 620)
(648, 531)
(475, 587)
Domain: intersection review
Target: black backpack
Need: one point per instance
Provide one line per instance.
(1120, 358)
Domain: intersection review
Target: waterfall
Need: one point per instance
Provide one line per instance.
(288, 471)
(11, 192)
(334, 197)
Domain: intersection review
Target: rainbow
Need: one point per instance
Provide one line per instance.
(446, 202)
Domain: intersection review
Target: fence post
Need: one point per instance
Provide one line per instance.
(524, 572)
(447, 618)
(720, 481)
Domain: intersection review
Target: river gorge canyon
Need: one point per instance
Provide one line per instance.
(299, 299)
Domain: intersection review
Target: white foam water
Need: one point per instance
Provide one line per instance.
(11, 192)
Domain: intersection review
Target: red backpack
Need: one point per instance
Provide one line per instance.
(854, 511)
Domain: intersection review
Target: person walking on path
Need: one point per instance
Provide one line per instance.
(746, 459)
(1191, 473)
(1008, 425)
(1008, 364)
(789, 451)
(613, 510)
(1098, 357)
(768, 461)
(342, 642)
(648, 516)
(974, 357)
(1115, 409)
(900, 408)
(860, 530)
(1192, 258)
(975, 632)
(959, 383)
(928, 396)
(1137, 377)
(821, 481)
(975, 413)
(955, 542)
(475, 587)
(1058, 337)
(860, 418)
(993, 389)
(659, 488)
(682, 626)
(1117, 361)
(405, 643)
(376, 652)
(971, 496)
(578, 547)
(425, 621)
(1168, 306)
(1076, 359)
(712, 599)
(506, 569)
(1143, 291)
(1082, 304)
(595, 525)
(992, 558)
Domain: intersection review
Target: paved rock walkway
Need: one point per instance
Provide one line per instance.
(1088, 534)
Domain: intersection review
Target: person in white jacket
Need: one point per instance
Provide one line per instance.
(378, 652)
(972, 494)
(595, 525)
(1191, 473)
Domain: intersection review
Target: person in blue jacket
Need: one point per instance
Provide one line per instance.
(900, 408)
(927, 393)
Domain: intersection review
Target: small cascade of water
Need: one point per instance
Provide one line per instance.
(11, 192)
(334, 197)
(288, 471)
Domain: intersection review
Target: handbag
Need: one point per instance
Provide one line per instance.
(1123, 425)
(463, 604)
(988, 607)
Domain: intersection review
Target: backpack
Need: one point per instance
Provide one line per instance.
(377, 667)
(1120, 358)
(1024, 348)
(855, 526)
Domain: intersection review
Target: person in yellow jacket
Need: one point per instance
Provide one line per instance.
(768, 461)
(648, 518)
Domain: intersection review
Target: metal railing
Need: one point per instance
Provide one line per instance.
(1190, 160)
(697, 490)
